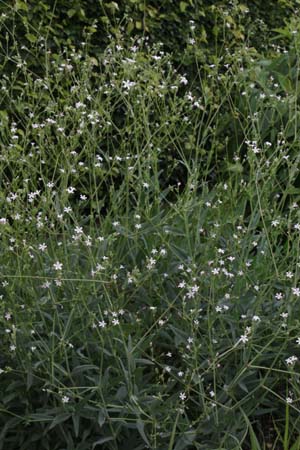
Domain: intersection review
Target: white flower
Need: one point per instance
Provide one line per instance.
(289, 400)
(291, 360)
(182, 396)
(296, 291)
(243, 338)
(274, 223)
(65, 399)
(183, 80)
(127, 84)
(58, 265)
(70, 190)
(256, 318)
(284, 315)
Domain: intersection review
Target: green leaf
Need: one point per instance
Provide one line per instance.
(101, 441)
(186, 440)
(31, 37)
(140, 426)
(71, 12)
(183, 6)
(253, 439)
(101, 418)
(21, 5)
(29, 377)
(59, 419)
(76, 423)
(236, 168)
(145, 362)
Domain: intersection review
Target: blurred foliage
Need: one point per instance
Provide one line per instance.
(215, 25)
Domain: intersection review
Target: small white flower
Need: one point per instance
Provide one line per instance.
(127, 84)
(291, 360)
(274, 223)
(256, 318)
(70, 190)
(65, 399)
(183, 80)
(182, 396)
(57, 265)
(244, 338)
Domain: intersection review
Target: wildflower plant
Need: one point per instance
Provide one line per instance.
(149, 248)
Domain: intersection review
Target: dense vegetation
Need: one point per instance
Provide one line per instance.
(149, 225)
